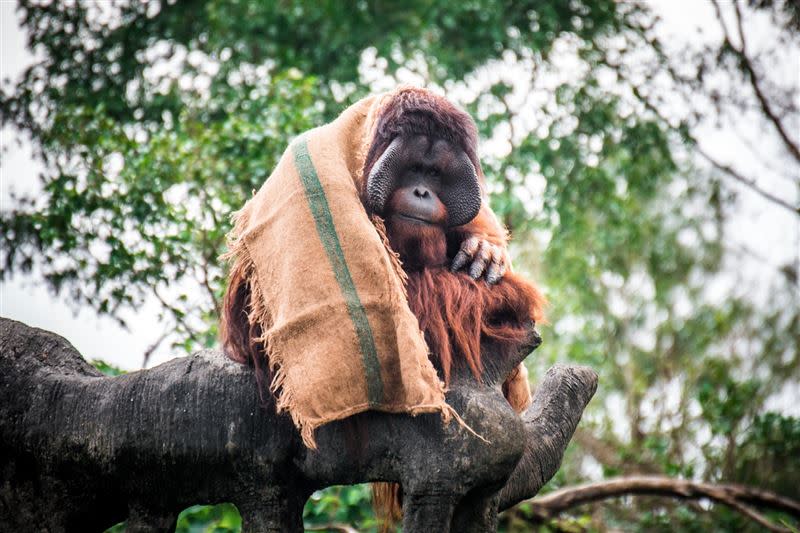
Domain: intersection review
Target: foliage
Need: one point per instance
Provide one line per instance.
(209, 519)
(107, 369)
(202, 519)
(349, 505)
(155, 121)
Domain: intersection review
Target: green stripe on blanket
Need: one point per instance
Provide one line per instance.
(326, 229)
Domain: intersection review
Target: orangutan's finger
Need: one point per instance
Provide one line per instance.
(496, 268)
(468, 249)
(459, 260)
(480, 260)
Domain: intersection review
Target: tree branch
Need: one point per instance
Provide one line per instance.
(176, 313)
(725, 169)
(738, 497)
(78, 447)
(565, 390)
(752, 77)
(750, 184)
(152, 348)
(207, 286)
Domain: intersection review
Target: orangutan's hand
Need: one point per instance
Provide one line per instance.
(482, 258)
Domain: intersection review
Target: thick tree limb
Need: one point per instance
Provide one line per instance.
(80, 451)
(565, 390)
(738, 497)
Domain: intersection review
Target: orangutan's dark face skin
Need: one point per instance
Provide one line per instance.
(416, 198)
(442, 168)
(416, 218)
(427, 190)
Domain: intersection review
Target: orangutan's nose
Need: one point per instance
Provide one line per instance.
(422, 192)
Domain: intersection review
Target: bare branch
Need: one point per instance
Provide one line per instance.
(204, 268)
(778, 171)
(738, 497)
(747, 65)
(753, 515)
(750, 184)
(152, 348)
(176, 313)
(725, 169)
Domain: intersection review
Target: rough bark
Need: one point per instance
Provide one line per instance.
(80, 451)
(569, 389)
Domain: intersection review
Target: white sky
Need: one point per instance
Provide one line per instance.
(765, 229)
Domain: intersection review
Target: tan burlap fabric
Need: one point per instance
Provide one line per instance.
(326, 288)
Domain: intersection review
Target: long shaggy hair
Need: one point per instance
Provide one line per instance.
(241, 339)
(455, 312)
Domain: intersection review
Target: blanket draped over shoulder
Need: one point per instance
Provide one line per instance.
(327, 290)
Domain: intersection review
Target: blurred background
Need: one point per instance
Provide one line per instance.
(644, 155)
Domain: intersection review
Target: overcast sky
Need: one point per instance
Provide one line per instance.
(770, 232)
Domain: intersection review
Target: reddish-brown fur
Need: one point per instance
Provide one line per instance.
(240, 339)
(454, 311)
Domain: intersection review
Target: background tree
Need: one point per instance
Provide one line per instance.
(154, 121)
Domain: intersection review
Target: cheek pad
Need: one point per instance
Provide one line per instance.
(463, 202)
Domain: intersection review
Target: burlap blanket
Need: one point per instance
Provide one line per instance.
(327, 289)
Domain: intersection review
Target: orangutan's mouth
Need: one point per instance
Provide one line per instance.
(415, 219)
